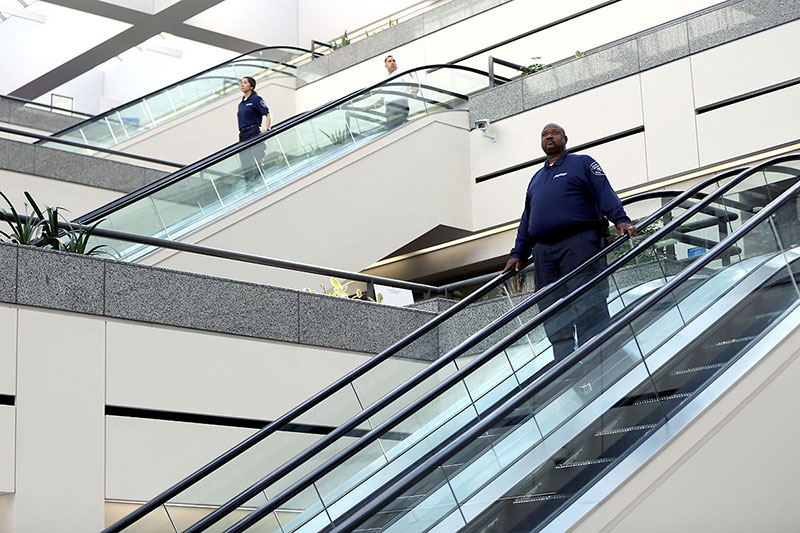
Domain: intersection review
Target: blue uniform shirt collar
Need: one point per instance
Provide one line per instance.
(558, 161)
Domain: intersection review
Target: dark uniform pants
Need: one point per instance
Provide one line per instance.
(250, 158)
(587, 315)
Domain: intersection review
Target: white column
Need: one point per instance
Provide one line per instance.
(60, 422)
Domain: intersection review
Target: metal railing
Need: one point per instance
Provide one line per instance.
(296, 488)
(46, 107)
(77, 144)
(549, 377)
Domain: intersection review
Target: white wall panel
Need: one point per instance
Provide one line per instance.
(751, 125)
(669, 119)
(8, 435)
(396, 198)
(747, 64)
(587, 116)
(8, 350)
(188, 371)
(208, 129)
(622, 160)
(77, 199)
(144, 457)
(60, 416)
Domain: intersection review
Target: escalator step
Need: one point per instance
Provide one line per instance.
(734, 341)
(576, 464)
(643, 427)
(696, 369)
(667, 398)
(536, 498)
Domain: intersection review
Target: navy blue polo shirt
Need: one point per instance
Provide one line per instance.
(251, 110)
(571, 195)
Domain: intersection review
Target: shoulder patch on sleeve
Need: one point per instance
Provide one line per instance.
(596, 169)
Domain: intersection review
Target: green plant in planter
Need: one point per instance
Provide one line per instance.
(337, 137)
(42, 230)
(335, 45)
(339, 289)
(578, 53)
(534, 67)
(27, 231)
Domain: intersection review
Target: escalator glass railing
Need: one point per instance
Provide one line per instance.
(354, 475)
(197, 498)
(559, 430)
(143, 114)
(204, 192)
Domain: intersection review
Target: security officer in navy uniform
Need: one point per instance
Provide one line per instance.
(564, 224)
(249, 114)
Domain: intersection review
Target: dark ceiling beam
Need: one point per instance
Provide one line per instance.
(144, 27)
(220, 40)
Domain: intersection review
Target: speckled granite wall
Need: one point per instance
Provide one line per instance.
(75, 168)
(100, 287)
(384, 41)
(18, 114)
(691, 34)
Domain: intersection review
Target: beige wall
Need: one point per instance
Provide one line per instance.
(498, 24)
(208, 129)
(350, 213)
(733, 469)
(662, 100)
(77, 199)
(58, 446)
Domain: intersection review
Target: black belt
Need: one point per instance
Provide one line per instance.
(248, 127)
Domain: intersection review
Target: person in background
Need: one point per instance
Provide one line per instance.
(252, 110)
(563, 224)
(396, 96)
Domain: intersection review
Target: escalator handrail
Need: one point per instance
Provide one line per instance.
(175, 84)
(76, 144)
(325, 393)
(300, 485)
(52, 108)
(498, 323)
(216, 157)
(302, 408)
(561, 367)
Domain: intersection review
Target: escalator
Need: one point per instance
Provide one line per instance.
(244, 476)
(553, 433)
(347, 488)
(128, 121)
(202, 193)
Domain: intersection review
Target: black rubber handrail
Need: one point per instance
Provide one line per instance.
(302, 408)
(339, 458)
(175, 84)
(342, 456)
(206, 162)
(495, 280)
(559, 369)
(47, 106)
(67, 142)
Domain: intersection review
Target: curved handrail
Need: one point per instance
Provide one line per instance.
(285, 125)
(561, 367)
(300, 485)
(67, 142)
(404, 388)
(175, 84)
(46, 106)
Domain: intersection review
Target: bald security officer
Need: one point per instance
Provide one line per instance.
(563, 224)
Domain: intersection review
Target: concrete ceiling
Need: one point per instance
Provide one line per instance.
(143, 26)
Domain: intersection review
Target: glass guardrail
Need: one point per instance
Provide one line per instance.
(144, 114)
(208, 493)
(286, 154)
(528, 466)
(403, 445)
